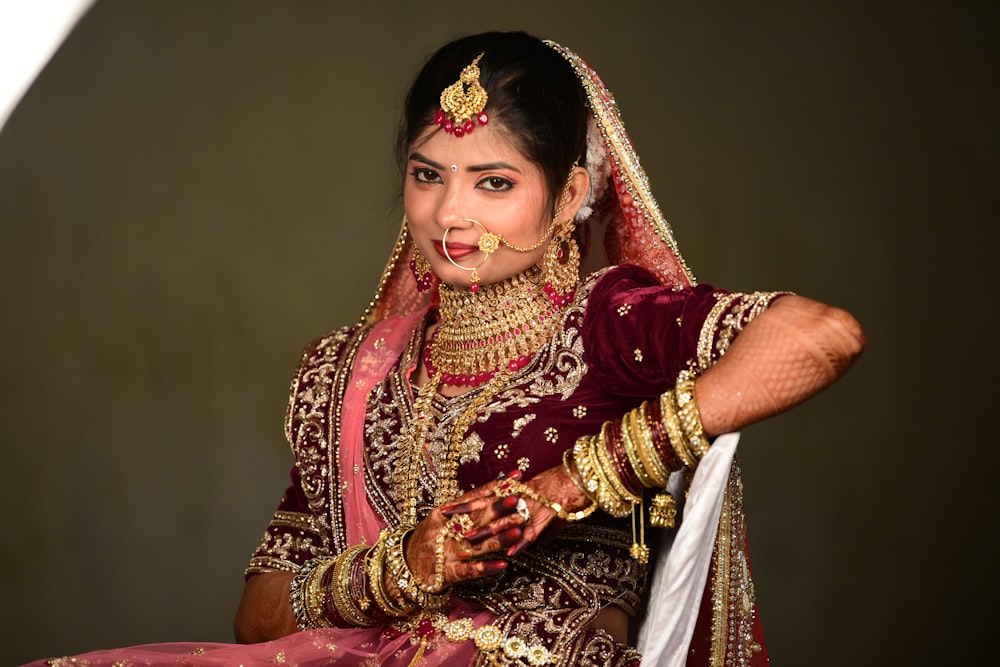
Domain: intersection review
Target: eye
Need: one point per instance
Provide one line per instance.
(495, 184)
(425, 175)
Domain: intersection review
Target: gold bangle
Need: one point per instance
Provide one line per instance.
(375, 566)
(424, 596)
(316, 595)
(609, 471)
(642, 471)
(570, 467)
(343, 601)
(688, 414)
(596, 487)
(584, 467)
(612, 496)
(645, 449)
(307, 596)
(673, 428)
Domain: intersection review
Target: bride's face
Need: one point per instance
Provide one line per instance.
(481, 176)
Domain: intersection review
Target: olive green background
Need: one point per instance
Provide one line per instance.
(193, 190)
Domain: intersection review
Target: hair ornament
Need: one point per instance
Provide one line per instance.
(463, 101)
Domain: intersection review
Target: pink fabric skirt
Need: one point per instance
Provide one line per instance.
(367, 647)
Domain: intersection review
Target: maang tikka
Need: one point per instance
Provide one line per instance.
(462, 101)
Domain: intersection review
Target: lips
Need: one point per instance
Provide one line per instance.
(456, 250)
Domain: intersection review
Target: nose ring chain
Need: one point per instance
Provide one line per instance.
(489, 242)
(488, 247)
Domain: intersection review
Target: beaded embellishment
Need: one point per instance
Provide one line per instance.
(463, 101)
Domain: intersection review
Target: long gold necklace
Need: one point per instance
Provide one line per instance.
(482, 340)
(418, 432)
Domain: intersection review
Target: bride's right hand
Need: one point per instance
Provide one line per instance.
(464, 558)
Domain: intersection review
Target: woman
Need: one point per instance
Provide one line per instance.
(475, 460)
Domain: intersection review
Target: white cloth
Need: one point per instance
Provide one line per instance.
(30, 32)
(678, 580)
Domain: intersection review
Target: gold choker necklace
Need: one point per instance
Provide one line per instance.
(501, 326)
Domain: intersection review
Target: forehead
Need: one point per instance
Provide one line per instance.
(485, 145)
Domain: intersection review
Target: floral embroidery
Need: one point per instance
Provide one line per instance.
(580, 411)
(638, 354)
(551, 435)
(501, 451)
(290, 539)
(523, 463)
(471, 446)
(726, 320)
(520, 423)
(624, 309)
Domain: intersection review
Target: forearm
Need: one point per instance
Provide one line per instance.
(792, 351)
(265, 612)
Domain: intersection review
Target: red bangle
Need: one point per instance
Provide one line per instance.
(661, 441)
(616, 449)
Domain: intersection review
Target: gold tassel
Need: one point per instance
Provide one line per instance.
(420, 653)
(639, 550)
(663, 511)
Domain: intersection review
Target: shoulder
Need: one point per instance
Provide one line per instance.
(323, 369)
(596, 285)
(331, 345)
(625, 283)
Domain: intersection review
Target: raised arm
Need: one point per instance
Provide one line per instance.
(790, 352)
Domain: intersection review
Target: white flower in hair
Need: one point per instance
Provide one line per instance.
(597, 166)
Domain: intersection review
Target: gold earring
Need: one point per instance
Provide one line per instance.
(561, 267)
(421, 270)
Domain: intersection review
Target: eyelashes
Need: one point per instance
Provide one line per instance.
(495, 184)
(489, 184)
(425, 175)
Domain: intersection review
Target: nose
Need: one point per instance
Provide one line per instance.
(451, 208)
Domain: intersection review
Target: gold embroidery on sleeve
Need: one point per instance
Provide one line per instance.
(731, 313)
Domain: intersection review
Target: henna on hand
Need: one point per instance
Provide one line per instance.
(793, 350)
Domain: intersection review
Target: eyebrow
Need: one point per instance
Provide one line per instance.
(474, 168)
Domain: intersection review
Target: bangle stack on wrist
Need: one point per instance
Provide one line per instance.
(394, 606)
(330, 591)
(348, 586)
(307, 596)
(424, 596)
(640, 451)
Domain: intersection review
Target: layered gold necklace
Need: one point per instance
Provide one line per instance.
(501, 326)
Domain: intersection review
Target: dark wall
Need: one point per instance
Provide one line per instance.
(193, 190)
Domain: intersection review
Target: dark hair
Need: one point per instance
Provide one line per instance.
(534, 97)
